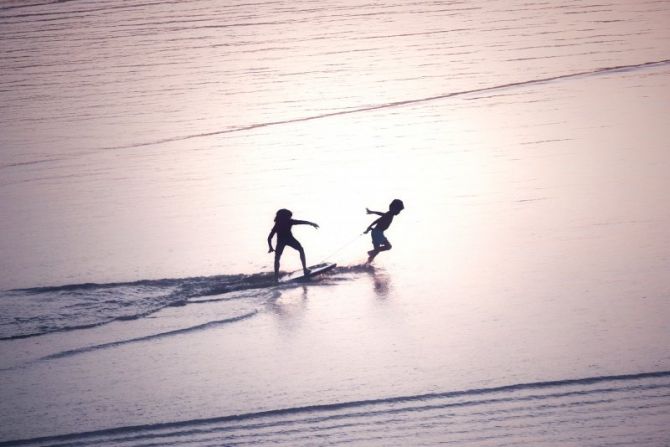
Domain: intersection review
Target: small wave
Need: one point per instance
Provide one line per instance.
(375, 107)
(96, 286)
(517, 414)
(32, 5)
(28, 163)
(68, 328)
(36, 311)
(394, 104)
(114, 344)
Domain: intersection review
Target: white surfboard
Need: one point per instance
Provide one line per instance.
(315, 271)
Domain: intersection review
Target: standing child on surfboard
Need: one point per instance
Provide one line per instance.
(282, 228)
(379, 241)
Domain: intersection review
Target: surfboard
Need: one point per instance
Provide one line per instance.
(315, 271)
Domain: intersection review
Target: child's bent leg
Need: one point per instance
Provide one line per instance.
(372, 254)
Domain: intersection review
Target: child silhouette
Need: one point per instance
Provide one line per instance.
(282, 228)
(379, 241)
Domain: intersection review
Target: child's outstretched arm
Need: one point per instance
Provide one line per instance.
(272, 233)
(369, 211)
(304, 222)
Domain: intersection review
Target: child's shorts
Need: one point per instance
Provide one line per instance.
(378, 238)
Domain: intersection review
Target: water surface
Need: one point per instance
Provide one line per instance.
(146, 146)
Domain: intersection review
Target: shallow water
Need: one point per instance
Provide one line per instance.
(146, 147)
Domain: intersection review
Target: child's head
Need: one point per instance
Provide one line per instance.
(396, 206)
(283, 215)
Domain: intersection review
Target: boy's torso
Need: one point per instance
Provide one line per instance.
(384, 222)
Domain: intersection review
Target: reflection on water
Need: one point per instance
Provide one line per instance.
(381, 281)
(288, 307)
(286, 299)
